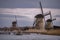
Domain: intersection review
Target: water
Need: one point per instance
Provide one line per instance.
(29, 37)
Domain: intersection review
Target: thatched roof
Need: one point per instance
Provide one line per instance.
(39, 16)
(49, 20)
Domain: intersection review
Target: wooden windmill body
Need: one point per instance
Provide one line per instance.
(39, 22)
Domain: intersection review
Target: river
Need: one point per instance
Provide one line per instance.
(28, 37)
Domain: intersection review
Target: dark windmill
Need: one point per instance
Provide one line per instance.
(14, 23)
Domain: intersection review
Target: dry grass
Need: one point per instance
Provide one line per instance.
(52, 32)
(46, 32)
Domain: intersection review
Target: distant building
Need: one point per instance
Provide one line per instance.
(14, 23)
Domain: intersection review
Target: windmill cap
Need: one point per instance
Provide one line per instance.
(14, 22)
(49, 20)
(39, 16)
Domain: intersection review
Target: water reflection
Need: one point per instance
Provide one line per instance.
(29, 37)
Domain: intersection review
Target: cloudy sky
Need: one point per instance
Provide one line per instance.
(25, 10)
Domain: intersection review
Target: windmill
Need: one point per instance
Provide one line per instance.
(39, 22)
(14, 23)
(42, 23)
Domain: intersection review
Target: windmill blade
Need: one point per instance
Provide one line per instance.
(33, 24)
(47, 14)
(16, 20)
(53, 19)
(42, 11)
(41, 7)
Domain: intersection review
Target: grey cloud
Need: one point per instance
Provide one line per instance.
(8, 15)
(29, 3)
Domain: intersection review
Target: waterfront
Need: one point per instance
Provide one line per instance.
(28, 37)
(29, 20)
